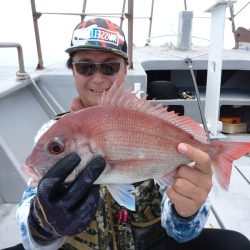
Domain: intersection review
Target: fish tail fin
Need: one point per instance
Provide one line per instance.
(223, 160)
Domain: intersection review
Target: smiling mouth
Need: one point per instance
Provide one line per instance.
(99, 91)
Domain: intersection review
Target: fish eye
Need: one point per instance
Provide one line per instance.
(56, 146)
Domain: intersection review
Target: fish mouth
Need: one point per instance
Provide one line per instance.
(40, 172)
(32, 172)
(69, 179)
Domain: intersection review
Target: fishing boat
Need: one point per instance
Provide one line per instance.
(209, 84)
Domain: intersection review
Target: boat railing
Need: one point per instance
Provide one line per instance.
(21, 74)
(122, 15)
(232, 19)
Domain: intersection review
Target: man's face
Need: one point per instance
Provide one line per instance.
(90, 87)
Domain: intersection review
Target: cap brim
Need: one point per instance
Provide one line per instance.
(98, 48)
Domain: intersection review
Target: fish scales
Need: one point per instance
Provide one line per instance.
(137, 140)
(128, 139)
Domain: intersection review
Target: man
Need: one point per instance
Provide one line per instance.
(80, 215)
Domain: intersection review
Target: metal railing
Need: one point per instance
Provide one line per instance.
(232, 19)
(122, 15)
(21, 74)
(83, 14)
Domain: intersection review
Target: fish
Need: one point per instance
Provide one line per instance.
(137, 139)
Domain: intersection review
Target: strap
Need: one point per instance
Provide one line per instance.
(76, 244)
(146, 224)
(149, 214)
(79, 240)
(111, 221)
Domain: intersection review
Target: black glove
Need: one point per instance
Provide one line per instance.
(57, 209)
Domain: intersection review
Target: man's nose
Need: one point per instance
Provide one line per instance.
(98, 76)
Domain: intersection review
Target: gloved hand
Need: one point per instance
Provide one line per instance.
(58, 210)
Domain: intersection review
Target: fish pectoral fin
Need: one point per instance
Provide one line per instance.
(122, 195)
(166, 180)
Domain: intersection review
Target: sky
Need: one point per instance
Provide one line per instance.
(55, 30)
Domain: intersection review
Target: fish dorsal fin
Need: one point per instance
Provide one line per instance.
(119, 97)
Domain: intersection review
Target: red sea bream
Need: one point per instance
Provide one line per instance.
(139, 142)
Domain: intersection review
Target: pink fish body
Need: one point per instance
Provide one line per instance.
(139, 142)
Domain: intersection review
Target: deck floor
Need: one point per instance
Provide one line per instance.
(8, 227)
(232, 207)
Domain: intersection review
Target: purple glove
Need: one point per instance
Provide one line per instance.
(58, 210)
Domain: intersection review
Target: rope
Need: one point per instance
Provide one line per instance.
(42, 95)
(242, 9)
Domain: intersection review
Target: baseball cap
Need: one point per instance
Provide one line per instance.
(98, 34)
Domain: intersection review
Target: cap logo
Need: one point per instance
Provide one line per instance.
(95, 34)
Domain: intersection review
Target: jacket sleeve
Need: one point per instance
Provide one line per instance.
(22, 213)
(182, 229)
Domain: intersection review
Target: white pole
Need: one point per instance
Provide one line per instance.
(218, 12)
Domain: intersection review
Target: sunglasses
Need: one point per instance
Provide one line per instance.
(89, 68)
